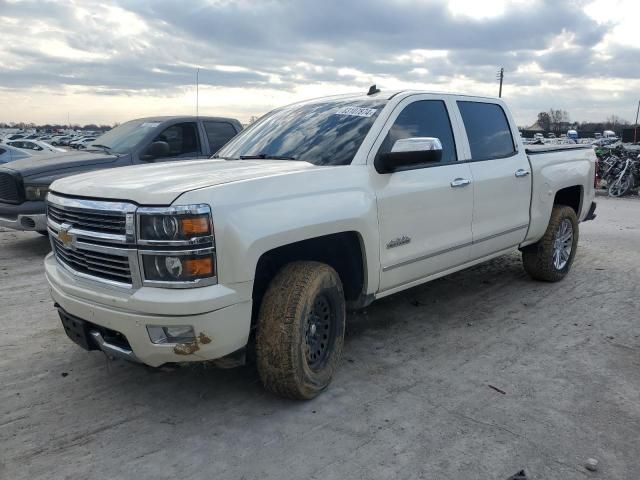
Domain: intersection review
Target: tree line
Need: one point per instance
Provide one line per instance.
(558, 121)
(54, 126)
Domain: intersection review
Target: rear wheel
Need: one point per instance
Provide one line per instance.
(551, 257)
(300, 330)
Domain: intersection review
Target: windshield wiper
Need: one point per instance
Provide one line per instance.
(265, 156)
(102, 147)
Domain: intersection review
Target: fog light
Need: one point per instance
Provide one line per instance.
(175, 334)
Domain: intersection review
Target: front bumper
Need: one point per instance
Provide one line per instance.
(30, 216)
(220, 316)
(28, 222)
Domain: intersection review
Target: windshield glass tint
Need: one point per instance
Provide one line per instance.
(125, 137)
(322, 133)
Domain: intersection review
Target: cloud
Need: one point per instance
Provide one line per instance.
(152, 48)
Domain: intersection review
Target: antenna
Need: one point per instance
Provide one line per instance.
(373, 89)
(197, 91)
(500, 77)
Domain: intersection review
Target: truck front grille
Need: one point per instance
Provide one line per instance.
(103, 221)
(94, 239)
(9, 188)
(96, 264)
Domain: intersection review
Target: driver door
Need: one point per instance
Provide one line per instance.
(183, 140)
(425, 212)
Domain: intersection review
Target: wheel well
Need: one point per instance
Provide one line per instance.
(570, 196)
(342, 251)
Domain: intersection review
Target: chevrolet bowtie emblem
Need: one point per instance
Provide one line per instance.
(65, 237)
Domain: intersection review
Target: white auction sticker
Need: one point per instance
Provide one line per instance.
(150, 124)
(356, 111)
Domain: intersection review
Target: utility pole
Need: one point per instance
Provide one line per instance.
(500, 77)
(635, 130)
(197, 90)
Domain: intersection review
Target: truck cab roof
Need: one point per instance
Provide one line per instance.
(185, 118)
(399, 94)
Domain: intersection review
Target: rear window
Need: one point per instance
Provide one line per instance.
(218, 133)
(487, 130)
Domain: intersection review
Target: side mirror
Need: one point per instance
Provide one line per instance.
(156, 150)
(408, 152)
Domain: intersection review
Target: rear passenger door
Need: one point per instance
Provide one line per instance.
(218, 133)
(501, 178)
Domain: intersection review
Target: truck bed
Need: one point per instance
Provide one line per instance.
(537, 149)
(553, 168)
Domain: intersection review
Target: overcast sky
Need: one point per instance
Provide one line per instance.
(103, 62)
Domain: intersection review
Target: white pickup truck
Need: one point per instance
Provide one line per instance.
(319, 207)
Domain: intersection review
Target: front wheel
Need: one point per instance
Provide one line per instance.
(551, 257)
(300, 330)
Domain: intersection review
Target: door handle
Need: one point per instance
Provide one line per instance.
(460, 182)
(522, 172)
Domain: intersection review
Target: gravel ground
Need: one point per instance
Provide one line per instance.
(414, 397)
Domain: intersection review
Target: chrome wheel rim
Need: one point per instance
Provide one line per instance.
(563, 244)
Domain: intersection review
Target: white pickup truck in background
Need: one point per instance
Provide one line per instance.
(319, 207)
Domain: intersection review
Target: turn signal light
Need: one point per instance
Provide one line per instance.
(194, 225)
(197, 267)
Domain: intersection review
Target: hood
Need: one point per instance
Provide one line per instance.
(58, 162)
(162, 183)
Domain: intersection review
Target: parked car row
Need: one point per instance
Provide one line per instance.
(38, 142)
(27, 145)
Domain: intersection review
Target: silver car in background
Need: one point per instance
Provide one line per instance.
(9, 153)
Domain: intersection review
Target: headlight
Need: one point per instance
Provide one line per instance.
(175, 224)
(177, 247)
(36, 192)
(178, 266)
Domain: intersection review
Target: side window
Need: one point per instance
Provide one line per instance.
(424, 118)
(182, 139)
(487, 130)
(218, 133)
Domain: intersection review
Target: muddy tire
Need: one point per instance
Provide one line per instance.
(300, 331)
(551, 257)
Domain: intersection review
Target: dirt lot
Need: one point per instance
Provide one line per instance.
(413, 398)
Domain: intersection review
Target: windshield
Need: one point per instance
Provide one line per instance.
(125, 137)
(322, 133)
